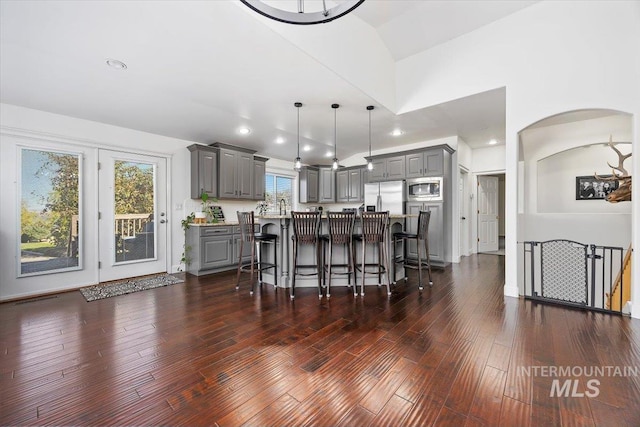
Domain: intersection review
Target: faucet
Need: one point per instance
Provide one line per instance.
(283, 207)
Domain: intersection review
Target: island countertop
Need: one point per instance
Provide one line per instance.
(286, 216)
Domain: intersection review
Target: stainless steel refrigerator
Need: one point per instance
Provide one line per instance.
(384, 196)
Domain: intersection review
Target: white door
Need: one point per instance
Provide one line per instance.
(487, 213)
(133, 221)
(464, 215)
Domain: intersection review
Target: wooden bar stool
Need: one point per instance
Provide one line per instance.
(249, 236)
(340, 226)
(374, 231)
(422, 240)
(306, 229)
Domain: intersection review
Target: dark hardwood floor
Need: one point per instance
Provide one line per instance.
(201, 353)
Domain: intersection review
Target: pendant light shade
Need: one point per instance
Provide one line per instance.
(370, 162)
(297, 163)
(335, 135)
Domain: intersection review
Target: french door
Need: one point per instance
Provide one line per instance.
(132, 204)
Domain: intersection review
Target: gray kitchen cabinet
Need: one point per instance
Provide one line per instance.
(210, 248)
(327, 185)
(425, 163)
(215, 248)
(259, 172)
(236, 174)
(387, 169)
(436, 230)
(226, 172)
(349, 185)
(204, 171)
(308, 181)
(216, 251)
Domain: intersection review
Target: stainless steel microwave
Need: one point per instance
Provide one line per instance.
(427, 189)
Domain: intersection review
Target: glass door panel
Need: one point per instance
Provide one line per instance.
(134, 206)
(50, 231)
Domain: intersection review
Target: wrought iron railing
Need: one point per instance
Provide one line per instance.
(571, 273)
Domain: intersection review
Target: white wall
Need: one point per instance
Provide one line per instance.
(49, 130)
(553, 157)
(554, 183)
(552, 57)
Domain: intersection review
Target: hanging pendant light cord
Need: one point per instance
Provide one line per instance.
(369, 132)
(298, 130)
(335, 132)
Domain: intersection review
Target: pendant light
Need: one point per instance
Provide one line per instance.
(370, 162)
(297, 163)
(335, 135)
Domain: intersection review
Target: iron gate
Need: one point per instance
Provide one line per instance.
(574, 274)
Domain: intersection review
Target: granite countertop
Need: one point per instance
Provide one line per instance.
(276, 216)
(287, 216)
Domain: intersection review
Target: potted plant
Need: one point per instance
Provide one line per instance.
(209, 210)
(186, 223)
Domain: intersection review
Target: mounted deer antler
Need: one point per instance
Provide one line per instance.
(623, 192)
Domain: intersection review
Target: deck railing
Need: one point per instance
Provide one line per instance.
(129, 225)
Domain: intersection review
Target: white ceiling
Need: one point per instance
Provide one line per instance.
(201, 70)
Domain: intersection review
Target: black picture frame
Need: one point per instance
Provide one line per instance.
(591, 188)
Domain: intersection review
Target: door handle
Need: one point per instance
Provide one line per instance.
(162, 221)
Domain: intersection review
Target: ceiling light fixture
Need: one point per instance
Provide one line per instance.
(279, 140)
(244, 131)
(335, 135)
(493, 142)
(297, 163)
(300, 17)
(118, 65)
(397, 132)
(370, 162)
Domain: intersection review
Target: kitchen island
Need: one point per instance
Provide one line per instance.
(215, 248)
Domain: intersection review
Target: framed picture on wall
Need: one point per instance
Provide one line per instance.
(592, 188)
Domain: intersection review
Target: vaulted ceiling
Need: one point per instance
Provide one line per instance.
(200, 71)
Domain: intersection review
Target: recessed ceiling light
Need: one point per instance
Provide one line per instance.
(493, 142)
(397, 132)
(329, 154)
(118, 65)
(244, 131)
(307, 148)
(279, 140)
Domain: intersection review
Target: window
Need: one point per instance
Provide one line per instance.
(277, 188)
(49, 211)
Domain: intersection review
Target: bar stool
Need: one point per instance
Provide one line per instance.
(340, 226)
(422, 239)
(374, 231)
(306, 228)
(249, 235)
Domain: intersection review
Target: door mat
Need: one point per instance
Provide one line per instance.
(128, 286)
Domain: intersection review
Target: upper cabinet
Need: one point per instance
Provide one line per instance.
(425, 163)
(204, 171)
(226, 172)
(387, 169)
(308, 180)
(327, 185)
(350, 185)
(236, 174)
(259, 173)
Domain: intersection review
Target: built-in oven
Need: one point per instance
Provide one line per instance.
(427, 189)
